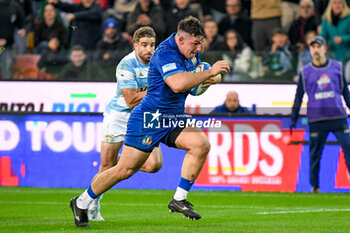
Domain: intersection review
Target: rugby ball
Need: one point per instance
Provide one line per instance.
(198, 90)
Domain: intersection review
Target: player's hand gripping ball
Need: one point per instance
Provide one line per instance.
(198, 90)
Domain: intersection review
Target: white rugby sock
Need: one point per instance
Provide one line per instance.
(180, 194)
(96, 201)
(84, 200)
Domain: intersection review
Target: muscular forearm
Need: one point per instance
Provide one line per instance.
(184, 81)
(136, 99)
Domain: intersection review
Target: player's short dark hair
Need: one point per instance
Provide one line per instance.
(77, 48)
(191, 25)
(143, 32)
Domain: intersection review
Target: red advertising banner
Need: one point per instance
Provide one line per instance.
(253, 155)
(7, 178)
(342, 178)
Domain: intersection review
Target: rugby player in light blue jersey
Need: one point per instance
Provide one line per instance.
(170, 79)
(131, 74)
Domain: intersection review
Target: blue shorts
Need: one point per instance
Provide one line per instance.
(144, 138)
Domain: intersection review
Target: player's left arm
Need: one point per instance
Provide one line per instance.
(183, 81)
(132, 97)
(177, 78)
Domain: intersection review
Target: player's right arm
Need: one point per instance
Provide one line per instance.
(132, 97)
(183, 81)
(298, 99)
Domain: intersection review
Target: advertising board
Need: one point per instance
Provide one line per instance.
(93, 97)
(247, 153)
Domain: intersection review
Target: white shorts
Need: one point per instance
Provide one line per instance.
(114, 126)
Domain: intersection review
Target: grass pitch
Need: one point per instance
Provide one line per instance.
(25, 209)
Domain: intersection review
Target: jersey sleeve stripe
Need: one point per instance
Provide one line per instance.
(171, 73)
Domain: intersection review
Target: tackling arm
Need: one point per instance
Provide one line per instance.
(132, 97)
(180, 82)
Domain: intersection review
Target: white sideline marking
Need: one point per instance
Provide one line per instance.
(304, 211)
(278, 210)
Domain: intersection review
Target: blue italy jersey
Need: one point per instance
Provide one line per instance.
(166, 61)
(130, 73)
(146, 127)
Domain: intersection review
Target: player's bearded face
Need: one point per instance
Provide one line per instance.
(192, 45)
(145, 48)
(317, 51)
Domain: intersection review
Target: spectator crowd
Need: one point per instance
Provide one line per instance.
(84, 40)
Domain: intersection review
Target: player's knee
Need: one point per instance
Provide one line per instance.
(204, 147)
(201, 150)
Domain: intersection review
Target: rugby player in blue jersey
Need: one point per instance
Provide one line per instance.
(324, 82)
(131, 74)
(170, 79)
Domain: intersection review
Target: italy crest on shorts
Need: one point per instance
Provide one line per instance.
(147, 140)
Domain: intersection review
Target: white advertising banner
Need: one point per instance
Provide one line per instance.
(93, 97)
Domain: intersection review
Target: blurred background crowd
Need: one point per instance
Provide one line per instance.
(83, 40)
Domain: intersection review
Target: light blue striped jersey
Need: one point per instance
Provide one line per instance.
(130, 73)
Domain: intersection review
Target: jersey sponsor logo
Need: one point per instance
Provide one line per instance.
(194, 60)
(324, 95)
(125, 75)
(120, 73)
(323, 82)
(169, 67)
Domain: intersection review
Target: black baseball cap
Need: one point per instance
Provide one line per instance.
(318, 39)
